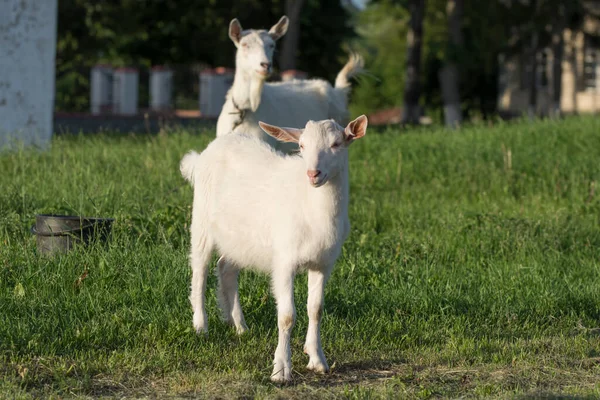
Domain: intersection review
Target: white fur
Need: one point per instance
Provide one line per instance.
(258, 209)
(289, 103)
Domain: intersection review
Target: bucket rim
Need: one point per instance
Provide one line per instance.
(73, 217)
(66, 232)
(84, 223)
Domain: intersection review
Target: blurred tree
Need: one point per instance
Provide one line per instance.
(325, 26)
(72, 56)
(382, 28)
(558, 45)
(414, 39)
(536, 25)
(532, 53)
(289, 47)
(153, 32)
(484, 32)
(449, 73)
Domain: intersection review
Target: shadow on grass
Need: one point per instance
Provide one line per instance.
(353, 373)
(551, 396)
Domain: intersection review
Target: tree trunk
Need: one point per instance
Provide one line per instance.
(449, 75)
(558, 45)
(289, 49)
(532, 109)
(575, 72)
(414, 39)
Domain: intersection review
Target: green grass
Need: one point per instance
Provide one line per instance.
(468, 272)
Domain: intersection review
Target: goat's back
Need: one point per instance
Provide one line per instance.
(292, 104)
(302, 100)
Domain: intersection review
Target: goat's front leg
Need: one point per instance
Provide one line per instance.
(312, 346)
(283, 290)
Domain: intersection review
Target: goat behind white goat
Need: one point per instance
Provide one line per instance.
(302, 223)
(291, 103)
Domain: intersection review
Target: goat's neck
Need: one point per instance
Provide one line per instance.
(247, 89)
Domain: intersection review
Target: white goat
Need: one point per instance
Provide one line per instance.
(255, 206)
(290, 103)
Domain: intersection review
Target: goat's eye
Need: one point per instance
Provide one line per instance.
(301, 147)
(245, 45)
(335, 145)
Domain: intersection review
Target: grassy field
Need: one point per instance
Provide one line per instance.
(472, 269)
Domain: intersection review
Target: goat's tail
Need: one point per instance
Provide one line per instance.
(353, 67)
(188, 162)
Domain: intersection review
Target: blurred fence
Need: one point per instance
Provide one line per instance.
(73, 90)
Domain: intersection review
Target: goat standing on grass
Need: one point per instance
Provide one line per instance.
(290, 103)
(302, 223)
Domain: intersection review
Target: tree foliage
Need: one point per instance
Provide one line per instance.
(381, 30)
(191, 32)
(489, 28)
(185, 32)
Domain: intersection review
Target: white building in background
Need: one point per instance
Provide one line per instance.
(580, 78)
(27, 58)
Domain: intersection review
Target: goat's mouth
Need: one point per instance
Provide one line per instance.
(318, 181)
(263, 72)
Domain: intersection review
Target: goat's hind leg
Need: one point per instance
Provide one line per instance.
(228, 295)
(199, 259)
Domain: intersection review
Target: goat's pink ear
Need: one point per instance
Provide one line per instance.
(282, 134)
(235, 31)
(280, 28)
(356, 129)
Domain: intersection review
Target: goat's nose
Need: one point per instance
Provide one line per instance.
(265, 65)
(313, 173)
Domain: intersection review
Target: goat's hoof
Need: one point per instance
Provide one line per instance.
(318, 367)
(200, 323)
(280, 378)
(201, 330)
(281, 375)
(240, 330)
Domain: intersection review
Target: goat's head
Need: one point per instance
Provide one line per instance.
(255, 47)
(323, 145)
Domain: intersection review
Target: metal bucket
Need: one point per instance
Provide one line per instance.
(60, 233)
